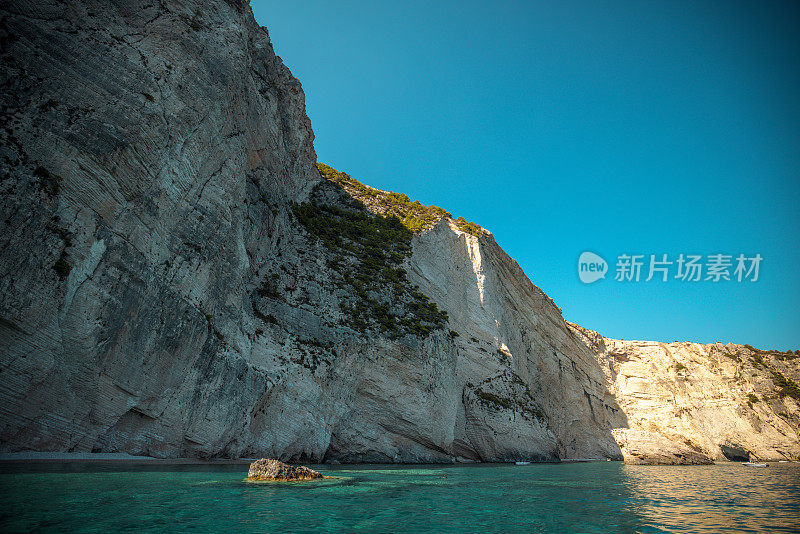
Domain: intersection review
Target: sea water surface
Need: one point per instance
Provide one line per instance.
(580, 497)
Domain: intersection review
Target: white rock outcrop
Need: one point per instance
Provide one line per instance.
(722, 401)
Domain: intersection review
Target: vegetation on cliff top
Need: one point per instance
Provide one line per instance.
(413, 214)
(781, 355)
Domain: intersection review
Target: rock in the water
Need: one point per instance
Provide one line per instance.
(270, 469)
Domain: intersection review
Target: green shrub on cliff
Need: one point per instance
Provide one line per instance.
(526, 405)
(468, 227)
(758, 361)
(732, 356)
(414, 215)
(786, 386)
(370, 250)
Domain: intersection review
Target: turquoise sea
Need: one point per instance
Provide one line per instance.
(580, 497)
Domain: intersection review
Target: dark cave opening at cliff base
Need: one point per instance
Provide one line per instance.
(735, 453)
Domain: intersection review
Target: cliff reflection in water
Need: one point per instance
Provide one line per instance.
(717, 498)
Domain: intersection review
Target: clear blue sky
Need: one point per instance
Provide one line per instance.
(616, 127)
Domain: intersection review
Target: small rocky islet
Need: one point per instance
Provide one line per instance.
(269, 469)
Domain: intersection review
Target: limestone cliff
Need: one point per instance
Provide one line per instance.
(178, 278)
(168, 286)
(720, 401)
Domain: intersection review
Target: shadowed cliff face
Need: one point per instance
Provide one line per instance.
(147, 155)
(178, 279)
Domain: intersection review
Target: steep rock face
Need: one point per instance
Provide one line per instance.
(722, 401)
(142, 147)
(159, 295)
(512, 333)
